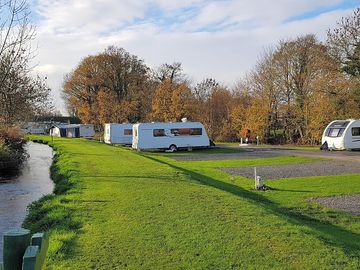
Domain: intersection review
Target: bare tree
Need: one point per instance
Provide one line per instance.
(204, 89)
(171, 72)
(344, 42)
(20, 94)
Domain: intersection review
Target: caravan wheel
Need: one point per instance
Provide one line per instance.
(173, 148)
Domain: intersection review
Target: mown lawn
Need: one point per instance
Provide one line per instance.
(118, 209)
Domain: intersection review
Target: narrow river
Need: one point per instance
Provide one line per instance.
(17, 193)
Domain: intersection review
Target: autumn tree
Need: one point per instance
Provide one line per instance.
(113, 86)
(161, 103)
(183, 103)
(262, 114)
(172, 102)
(242, 100)
(216, 114)
(294, 91)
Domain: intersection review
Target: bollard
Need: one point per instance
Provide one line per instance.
(41, 240)
(15, 243)
(31, 259)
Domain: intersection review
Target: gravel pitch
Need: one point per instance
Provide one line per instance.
(298, 170)
(348, 203)
(240, 155)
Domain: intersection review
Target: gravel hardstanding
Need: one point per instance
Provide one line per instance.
(348, 203)
(298, 170)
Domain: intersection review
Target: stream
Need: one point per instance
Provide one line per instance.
(30, 185)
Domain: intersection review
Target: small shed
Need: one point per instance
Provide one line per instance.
(73, 130)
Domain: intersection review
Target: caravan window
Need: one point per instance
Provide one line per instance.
(127, 131)
(186, 131)
(335, 132)
(339, 124)
(355, 131)
(159, 132)
(180, 131)
(195, 131)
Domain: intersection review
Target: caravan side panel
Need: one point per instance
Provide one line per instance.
(118, 134)
(87, 131)
(352, 136)
(163, 135)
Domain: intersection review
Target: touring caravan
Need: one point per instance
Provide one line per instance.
(342, 135)
(72, 130)
(170, 136)
(118, 133)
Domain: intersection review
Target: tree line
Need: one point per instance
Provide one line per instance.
(296, 88)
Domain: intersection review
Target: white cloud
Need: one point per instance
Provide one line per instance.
(70, 30)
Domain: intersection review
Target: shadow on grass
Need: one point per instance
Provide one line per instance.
(291, 190)
(129, 176)
(328, 233)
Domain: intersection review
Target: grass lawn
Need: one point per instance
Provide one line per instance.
(119, 209)
(214, 150)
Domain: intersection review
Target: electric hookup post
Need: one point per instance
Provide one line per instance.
(258, 183)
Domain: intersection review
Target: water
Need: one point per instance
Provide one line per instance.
(33, 182)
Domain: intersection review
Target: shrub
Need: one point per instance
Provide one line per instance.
(12, 152)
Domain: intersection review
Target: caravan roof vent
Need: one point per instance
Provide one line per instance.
(184, 119)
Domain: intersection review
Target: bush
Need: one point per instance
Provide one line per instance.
(12, 152)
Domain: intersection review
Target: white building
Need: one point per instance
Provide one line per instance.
(342, 135)
(118, 133)
(169, 136)
(73, 130)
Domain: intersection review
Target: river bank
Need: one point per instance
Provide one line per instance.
(30, 185)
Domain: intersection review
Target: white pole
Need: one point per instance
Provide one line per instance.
(255, 174)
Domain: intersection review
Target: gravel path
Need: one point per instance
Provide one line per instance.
(298, 170)
(348, 203)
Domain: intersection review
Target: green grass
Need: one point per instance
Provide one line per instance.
(209, 151)
(117, 209)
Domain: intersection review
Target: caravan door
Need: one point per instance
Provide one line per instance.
(355, 137)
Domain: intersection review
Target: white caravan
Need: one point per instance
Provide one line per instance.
(118, 133)
(342, 135)
(73, 130)
(170, 136)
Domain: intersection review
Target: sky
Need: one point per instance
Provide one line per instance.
(219, 39)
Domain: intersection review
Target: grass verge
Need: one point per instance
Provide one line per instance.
(116, 209)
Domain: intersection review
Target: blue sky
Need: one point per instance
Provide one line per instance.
(342, 5)
(220, 39)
